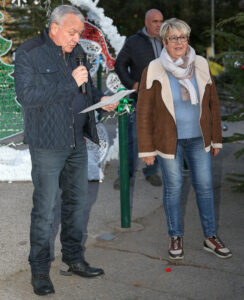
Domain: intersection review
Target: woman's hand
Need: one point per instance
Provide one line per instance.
(214, 151)
(135, 86)
(149, 160)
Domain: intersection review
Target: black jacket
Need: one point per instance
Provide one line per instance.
(132, 59)
(46, 92)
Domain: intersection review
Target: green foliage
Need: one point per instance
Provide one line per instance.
(230, 33)
(129, 16)
(26, 21)
(240, 152)
(231, 82)
(238, 179)
(10, 112)
(234, 138)
(238, 20)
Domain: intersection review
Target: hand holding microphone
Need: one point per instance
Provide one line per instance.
(80, 74)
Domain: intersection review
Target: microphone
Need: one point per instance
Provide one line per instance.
(80, 62)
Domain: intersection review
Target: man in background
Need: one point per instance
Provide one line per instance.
(138, 51)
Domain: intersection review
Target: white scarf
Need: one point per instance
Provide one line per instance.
(182, 69)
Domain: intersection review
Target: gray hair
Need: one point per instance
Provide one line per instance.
(172, 24)
(61, 11)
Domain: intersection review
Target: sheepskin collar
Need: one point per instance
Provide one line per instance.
(157, 72)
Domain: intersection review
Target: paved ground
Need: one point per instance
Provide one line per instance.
(135, 261)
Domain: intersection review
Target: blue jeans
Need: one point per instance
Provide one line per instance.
(66, 169)
(199, 163)
(133, 150)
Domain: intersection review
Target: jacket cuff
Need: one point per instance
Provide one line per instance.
(146, 154)
(73, 82)
(216, 145)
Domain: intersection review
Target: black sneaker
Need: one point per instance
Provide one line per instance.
(216, 246)
(176, 248)
(154, 179)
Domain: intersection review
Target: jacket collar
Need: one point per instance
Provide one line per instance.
(157, 72)
(50, 43)
(142, 34)
(52, 48)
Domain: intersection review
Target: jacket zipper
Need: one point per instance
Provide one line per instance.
(73, 121)
(39, 120)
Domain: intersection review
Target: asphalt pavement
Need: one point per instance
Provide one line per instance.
(135, 260)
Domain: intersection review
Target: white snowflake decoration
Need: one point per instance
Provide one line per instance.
(97, 154)
(19, 2)
(113, 83)
(91, 47)
(92, 50)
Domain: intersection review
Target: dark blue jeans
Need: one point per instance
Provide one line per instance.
(133, 150)
(66, 169)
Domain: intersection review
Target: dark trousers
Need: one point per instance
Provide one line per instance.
(52, 169)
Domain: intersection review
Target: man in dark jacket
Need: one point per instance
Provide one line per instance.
(138, 51)
(48, 82)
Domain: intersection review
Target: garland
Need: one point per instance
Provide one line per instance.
(96, 14)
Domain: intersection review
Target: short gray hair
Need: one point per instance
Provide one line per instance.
(172, 24)
(61, 11)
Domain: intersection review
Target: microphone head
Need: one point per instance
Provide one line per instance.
(80, 59)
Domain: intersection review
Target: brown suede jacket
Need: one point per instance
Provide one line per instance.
(156, 124)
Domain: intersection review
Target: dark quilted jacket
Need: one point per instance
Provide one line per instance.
(132, 59)
(46, 92)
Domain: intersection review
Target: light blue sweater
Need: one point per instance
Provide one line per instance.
(187, 115)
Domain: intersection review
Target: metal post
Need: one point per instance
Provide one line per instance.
(212, 29)
(124, 171)
(99, 77)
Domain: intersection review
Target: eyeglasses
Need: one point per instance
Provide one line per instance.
(174, 39)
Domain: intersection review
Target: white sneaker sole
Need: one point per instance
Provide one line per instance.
(220, 256)
(176, 257)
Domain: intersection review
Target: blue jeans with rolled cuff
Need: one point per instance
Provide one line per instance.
(199, 163)
(52, 169)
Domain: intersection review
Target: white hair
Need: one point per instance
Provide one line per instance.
(172, 24)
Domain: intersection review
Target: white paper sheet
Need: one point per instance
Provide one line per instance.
(110, 100)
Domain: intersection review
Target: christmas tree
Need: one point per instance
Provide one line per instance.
(28, 18)
(11, 121)
(231, 82)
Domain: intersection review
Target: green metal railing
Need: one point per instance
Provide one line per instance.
(124, 171)
(123, 109)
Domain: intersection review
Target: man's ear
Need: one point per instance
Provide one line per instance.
(54, 28)
(146, 23)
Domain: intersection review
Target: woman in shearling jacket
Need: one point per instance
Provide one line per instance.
(178, 115)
